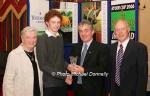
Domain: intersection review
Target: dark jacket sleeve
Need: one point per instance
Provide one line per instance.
(142, 69)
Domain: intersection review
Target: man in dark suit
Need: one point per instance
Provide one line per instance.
(129, 63)
(92, 61)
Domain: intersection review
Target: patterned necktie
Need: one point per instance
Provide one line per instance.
(81, 62)
(118, 64)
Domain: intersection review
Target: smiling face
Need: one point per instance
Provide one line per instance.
(29, 40)
(53, 20)
(121, 30)
(86, 32)
(54, 24)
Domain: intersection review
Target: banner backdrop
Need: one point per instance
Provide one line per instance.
(13, 18)
(36, 11)
(126, 10)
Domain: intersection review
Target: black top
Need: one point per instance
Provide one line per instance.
(36, 88)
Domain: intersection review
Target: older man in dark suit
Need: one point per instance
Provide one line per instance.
(92, 61)
(129, 63)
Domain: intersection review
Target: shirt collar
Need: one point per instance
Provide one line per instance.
(124, 44)
(50, 33)
(88, 43)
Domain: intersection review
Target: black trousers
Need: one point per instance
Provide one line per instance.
(79, 90)
(147, 93)
(116, 90)
(55, 91)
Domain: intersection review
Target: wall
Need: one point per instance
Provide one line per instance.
(144, 27)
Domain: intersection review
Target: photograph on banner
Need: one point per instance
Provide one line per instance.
(69, 28)
(91, 11)
(66, 26)
(123, 10)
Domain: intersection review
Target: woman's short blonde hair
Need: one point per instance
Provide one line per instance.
(28, 29)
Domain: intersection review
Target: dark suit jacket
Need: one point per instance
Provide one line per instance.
(133, 71)
(96, 61)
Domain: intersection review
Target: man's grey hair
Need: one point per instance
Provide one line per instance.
(86, 22)
(123, 20)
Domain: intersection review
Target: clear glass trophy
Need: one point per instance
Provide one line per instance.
(73, 59)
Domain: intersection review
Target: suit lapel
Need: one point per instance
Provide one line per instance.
(89, 51)
(126, 53)
(24, 57)
(114, 52)
(79, 53)
(113, 56)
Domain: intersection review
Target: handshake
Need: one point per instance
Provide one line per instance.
(73, 68)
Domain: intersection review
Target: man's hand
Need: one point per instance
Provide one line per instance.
(78, 69)
(75, 68)
(70, 67)
(68, 80)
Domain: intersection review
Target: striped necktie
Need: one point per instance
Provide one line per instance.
(118, 64)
